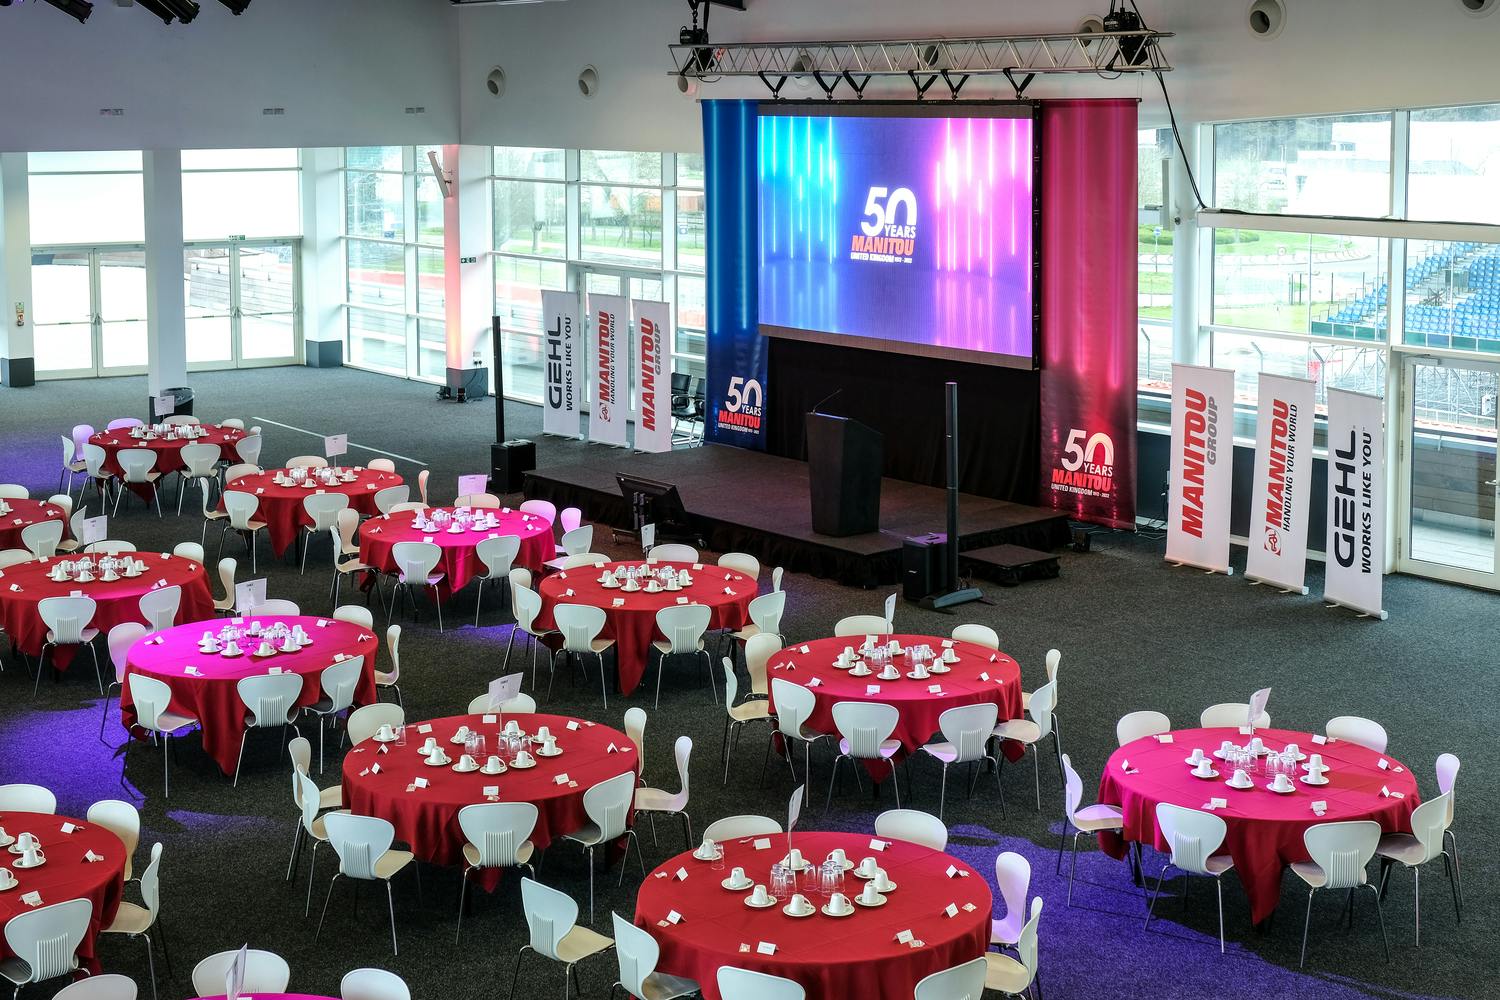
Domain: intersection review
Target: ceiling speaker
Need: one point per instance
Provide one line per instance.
(1267, 17)
(588, 81)
(1479, 8)
(495, 82)
(1090, 26)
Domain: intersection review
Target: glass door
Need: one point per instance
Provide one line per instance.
(1448, 470)
(90, 311)
(121, 277)
(208, 278)
(242, 304)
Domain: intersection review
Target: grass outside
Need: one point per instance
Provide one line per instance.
(1266, 244)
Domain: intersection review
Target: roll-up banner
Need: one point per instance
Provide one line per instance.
(1202, 467)
(562, 333)
(1277, 539)
(653, 375)
(1355, 547)
(611, 369)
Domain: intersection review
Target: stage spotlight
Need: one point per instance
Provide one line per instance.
(158, 8)
(185, 10)
(236, 7)
(77, 9)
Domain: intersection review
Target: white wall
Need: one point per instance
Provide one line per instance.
(345, 70)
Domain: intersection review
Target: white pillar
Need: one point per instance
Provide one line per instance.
(166, 306)
(323, 270)
(17, 356)
(468, 281)
(1185, 258)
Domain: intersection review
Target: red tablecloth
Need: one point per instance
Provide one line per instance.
(213, 697)
(118, 601)
(65, 875)
(832, 957)
(1265, 828)
(23, 514)
(919, 706)
(460, 562)
(632, 624)
(168, 450)
(427, 818)
(281, 506)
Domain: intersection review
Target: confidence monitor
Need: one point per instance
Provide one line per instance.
(652, 502)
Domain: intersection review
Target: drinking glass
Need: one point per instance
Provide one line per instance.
(401, 735)
(831, 878)
(783, 881)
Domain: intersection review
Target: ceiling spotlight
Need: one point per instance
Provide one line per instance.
(158, 8)
(185, 10)
(236, 7)
(77, 9)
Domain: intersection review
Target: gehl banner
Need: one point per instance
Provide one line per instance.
(562, 345)
(1201, 467)
(1355, 544)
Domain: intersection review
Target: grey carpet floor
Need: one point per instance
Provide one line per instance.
(1134, 633)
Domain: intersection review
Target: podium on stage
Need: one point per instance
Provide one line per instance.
(844, 462)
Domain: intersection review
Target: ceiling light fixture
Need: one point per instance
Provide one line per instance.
(236, 7)
(77, 9)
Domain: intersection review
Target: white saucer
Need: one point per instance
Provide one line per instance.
(542, 752)
(1190, 762)
(890, 680)
(264, 656)
(15, 883)
(1301, 757)
(486, 769)
(456, 739)
(389, 739)
(522, 767)
(861, 671)
(843, 666)
(807, 913)
(1280, 791)
(41, 859)
(460, 769)
(1307, 779)
(7, 840)
(829, 913)
(847, 864)
(914, 676)
(226, 652)
(770, 902)
(716, 856)
(737, 887)
(1219, 754)
(210, 650)
(938, 668)
(880, 900)
(1239, 788)
(1205, 777)
(807, 865)
(859, 874)
(441, 763)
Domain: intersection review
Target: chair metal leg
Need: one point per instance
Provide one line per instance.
(1380, 913)
(331, 883)
(943, 791)
(1307, 920)
(296, 843)
(1062, 843)
(312, 871)
(1458, 875)
(150, 964)
(1161, 877)
(241, 759)
(832, 774)
(1219, 884)
(1416, 902)
(438, 605)
(1036, 767)
(478, 601)
(604, 682)
(390, 902)
(517, 974)
(591, 885)
(895, 786)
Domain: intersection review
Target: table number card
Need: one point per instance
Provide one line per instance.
(476, 483)
(335, 445)
(249, 595)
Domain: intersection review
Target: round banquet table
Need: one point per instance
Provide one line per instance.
(281, 506)
(427, 818)
(211, 695)
(630, 618)
(853, 956)
(460, 563)
(1264, 828)
(66, 875)
(919, 706)
(118, 600)
(168, 450)
(22, 515)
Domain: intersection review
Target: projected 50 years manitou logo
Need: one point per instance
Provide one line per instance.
(742, 409)
(1087, 466)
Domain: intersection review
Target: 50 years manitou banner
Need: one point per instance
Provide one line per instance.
(1355, 545)
(1201, 467)
(610, 358)
(1277, 538)
(562, 346)
(653, 376)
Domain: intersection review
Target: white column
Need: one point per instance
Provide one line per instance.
(323, 266)
(468, 285)
(166, 306)
(17, 357)
(1185, 258)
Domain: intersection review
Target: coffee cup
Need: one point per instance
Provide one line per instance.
(882, 882)
(870, 895)
(707, 849)
(290, 645)
(462, 734)
(890, 672)
(266, 649)
(950, 655)
(1205, 769)
(7, 878)
(1281, 782)
(542, 732)
(524, 759)
(837, 855)
(1315, 764)
(1257, 745)
(737, 876)
(1292, 750)
(799, 903)
(492, 765)
(839, 903)
(549, 743)
(512, 727)
(794, 860)
(26, 842)
(436, 756)
(467, 762)
(1197, 756)
(759, 896)
(429, 745)
(1241, 777)
(1226, 748)
(31, 856)
(868, 867)
(386, 731)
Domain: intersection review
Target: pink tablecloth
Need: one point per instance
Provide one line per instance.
(427, 818)
(66, 875)
(23, 514)
(460, 563)
(1265, 828)
(168, 450)
(632, 624)
(213, 697)
(281, 506)
(853, 956)
(118, 601)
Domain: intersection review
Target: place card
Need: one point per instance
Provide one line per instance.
(947, 643)
(762, 844)
(374, 768)
(68, 828)
(1216, 803)
(1320, 807)
(984, 675)
(91, 857)
(428, 539)
(1164, 737)
(236, 621)
(682, 600)
(364, 772)
(879, 845)
(744, 948)
(191, 671)
(805, 649)
(15, 589)
(383, 749)
(573, 725)
(729, 591)
(904, 937)
(591, 725)
(956, 872)
(1125, 766)
(1247, 731)
(815, 682)
(872, 689)
(71, 593)
(681, 874)
(419, 782)
(934, 689)
(970, 907)
(697, 567)
(324, 623)
(489, 720)
(765, 948)
(425, 727)
(994, 658)
(951, 910)
(618, 602)
(1319, 739)
(1388, 794)
(274, 671)
(674, 917)
(1383, 764)
(561, 779)
(32, 898)
(611, 749)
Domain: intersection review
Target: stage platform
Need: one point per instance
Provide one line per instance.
(746, 501)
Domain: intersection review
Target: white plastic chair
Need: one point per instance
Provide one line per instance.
(309, 801)
(152, 699)
(747, 984)
(68, 624)
(673, 552)
(241, 508)
(526, 605)
(861, 625)
(366, 720)
(1354, 729)
(1030, 733)
(758, 652)
(191, 551)
(1338, 854)
(541, 508)
(478, 500)
(109, 986)
(1014, 976)
(355, 615)
(607, 806)
(270, 700)
(637, 952)
(1447, 776)
(523, 704)
(979, 635)
(13, 557)
(765, 618)
(248, 448)
(234, 422)
(1136, 725)
(123, 423)
(958, 983)
(1192, 837)
(339, 682)
(109, 547)
(119, 641)
(180, 418)
(160, 606)
(1083, 819)
(736, 716)
(124, 821)
(422, 478)
(635, 728)
(136, 920)
(913, 826)
(94, 458)
(23, 797)
(498, 556)
(684, 626)
(346, 562)
(42, 538)
(416, 566)
(794, 706)
(138, 466)
(76, 517)
(387, 499)
(864, 733)
(307, 462)
(497, 835)
(569, 518)
(324, 509)
(265, 972)
(735, 827)
(211, 516)
(373, 984)
(381, 465)
(741, 562)
(72, 465)
(652, 801)
(45, 942)
(966, 732)
(1429, 821)
(1013, 876)
(363, 846)
(580, 625)
(245, 467)
(276, 607)
(579, 559)
(201, 465)
(1231, 715)
(553, 932)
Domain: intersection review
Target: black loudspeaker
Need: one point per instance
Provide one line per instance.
(509, 460)
(923, 565)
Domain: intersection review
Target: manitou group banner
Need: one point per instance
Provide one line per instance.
(1277, 538)
(1355, 545)
(611, 369)
(562, 346)
(653, 376)
(1202, 467)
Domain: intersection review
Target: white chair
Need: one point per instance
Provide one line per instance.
(741, 562)
(22, 797)
(248, 448)
(607, 806)
(381, 465)
(637, 952)
(861, 625)
(363, 846)
(1338, 854)
(794, 706)
(45, 942)
(346, 562)
(1137, 725)
(153, 699)
(365, 720)
(1030, 733)
(122, 423)
(966, 732)
(373, 984)
(191, 551)
(265, 972)
(541, 508)
(355, 615)
(109, 547)
(269, 700)
(572, 543)
(227, 568)
(498, 556)
(569, 518)
(957, 983)
(416, 564)
(1192, 837)
(1447, 776)
(136, 920)
(181, 418)
(109, 986)
(212, 516)
(1083, 819)
(72, 465)
(309, 801)
(124, 821)
(139, 468)
(580, 625)
(758, 652)
(160, 606)
(480, 500)
(75, 528)
(241, 509)
(307, 462)
(747, 984)
(391, 680)
(42, 538)
(635, 728)
(526, 605)
(234, 422)
(339, 682)
(1231, 715)
(1014, 976)
(246, 467)
(323, 509)
(765, 618)
(201, 465)
(14, 557)
(652, 801)
(387, 499)
(673, 552)
(864, 733)
(94, 458)
(684, 626)
(422, 478)
(496, 835)
(68, 624)
(276, 607)
(979, 635)
(553, 932)
(914, 826)
(522, 703)
(1013, 876)
(62, 501)
(1353, 729)
(735, 827)
(119, 641)
(736, 716)
(1429, 821)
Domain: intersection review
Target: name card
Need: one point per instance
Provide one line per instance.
(419, 782)
(32, 898)
(489, 719)
(68, 828)
(374, 768)
(1164, 737)
(1318, 739)
(762, 844)
(424, 728)
(872, 689)
(879, 845)
(573, 726)
(1320, 807)
(674, 917)
(951, 910)
(490, 790)
(904, 937)
(561, 779)
(764, 948)
(1383, 764)
(681, 874)
(815, 682)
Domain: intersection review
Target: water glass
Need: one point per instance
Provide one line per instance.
(831, 878)
(401, 735)
(783, 881)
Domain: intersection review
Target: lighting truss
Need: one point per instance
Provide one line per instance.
(924, 61)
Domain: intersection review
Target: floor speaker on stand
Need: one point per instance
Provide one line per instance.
(510, 460)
